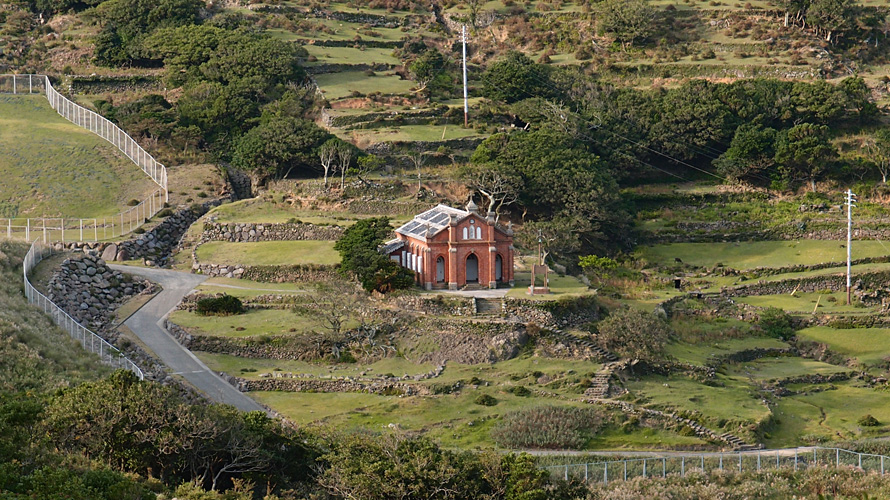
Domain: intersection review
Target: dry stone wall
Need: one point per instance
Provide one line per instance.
(268, 274)
(88, 290)
(251, 232)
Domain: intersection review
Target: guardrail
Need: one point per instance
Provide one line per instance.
(111, 227)
(704, 463)
(89, 340)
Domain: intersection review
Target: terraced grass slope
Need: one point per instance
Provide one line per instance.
(53, 168)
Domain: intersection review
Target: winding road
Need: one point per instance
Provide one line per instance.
(147, 324)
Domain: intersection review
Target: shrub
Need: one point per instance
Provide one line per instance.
(521, 391)
(868, 421)
(132, 203)
(548, 427)
(486, 400)
(139, 230)
(776, 323)
(165, 213)
(225, 305)
(631, 333)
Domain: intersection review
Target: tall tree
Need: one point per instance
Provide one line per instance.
(805, 152)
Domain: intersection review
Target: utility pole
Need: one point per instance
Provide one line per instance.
(850, 202)
(463, 38)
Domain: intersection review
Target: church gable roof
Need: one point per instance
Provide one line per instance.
(432, 222)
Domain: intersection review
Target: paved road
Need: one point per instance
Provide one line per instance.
(146, 323)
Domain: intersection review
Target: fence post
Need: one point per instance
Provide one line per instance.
(777, 459)
(586, 470)
(625, 470)
(758, 461)
(795, 459)
(740, 461)
(837, 457)
(721, 461)
(606, 473)
(566, 477)
(28, 230)
(860, 460)
(702, 464)
(663, 467)
(882, 465)
(644, 468)
(815, 458)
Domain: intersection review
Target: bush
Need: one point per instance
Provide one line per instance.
(869, 421)
(776, 323)
(631, 333)
(165, 213)
(486, 400)
(548, 427)
(226, 305)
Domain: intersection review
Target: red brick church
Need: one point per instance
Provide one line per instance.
(451, 248)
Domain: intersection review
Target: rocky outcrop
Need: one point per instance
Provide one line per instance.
(249, 232)
(89, 291)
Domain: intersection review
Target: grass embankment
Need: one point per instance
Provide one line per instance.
(265, 211)
(269, 253)
(36, 355)
(47, 164)
(868, 346)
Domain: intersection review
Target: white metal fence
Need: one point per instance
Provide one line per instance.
(86, 229)
(704, 463)
(89, 340)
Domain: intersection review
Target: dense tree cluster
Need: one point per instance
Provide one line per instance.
(360, 258)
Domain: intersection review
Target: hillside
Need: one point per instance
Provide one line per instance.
(680, 167)
(48, 164)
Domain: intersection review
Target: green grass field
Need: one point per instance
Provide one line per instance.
(752, 254)
(340, 85)
(829, 415)
(257, 210)
(409, 133)
(350, 55)
(783, 367)
(269, 253)
(48, 164)
(806, 303)
(867, 345)
(253, 323)
(734, 400)
(701, 352)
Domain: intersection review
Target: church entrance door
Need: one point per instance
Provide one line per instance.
(440, 270)
(472, 269)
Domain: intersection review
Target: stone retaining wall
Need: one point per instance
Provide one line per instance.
(88, 290)
(250, 232)
(343, 385)
(269, 274)
(158, 244)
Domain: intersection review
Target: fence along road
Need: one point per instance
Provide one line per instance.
(86, 229)
(704, 463)
(80, 229)
(88, 339)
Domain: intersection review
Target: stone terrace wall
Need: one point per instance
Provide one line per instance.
(269, 274)
(250, 232)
